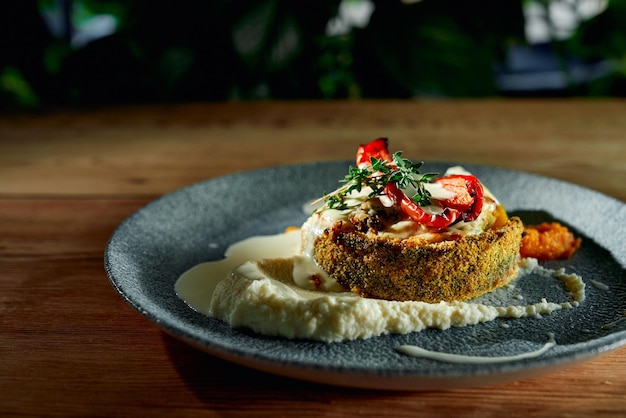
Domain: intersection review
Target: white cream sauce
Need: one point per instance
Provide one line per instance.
(599, 285)
(265, 297)
(196, 285)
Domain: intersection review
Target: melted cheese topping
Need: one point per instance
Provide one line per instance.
(324, 218)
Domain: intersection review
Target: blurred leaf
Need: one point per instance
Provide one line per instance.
(13, 83)
(603, 38)
(335, 65)
(278, 44)
(437, 47)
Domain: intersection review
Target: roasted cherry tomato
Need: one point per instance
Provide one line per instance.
(468, 195)
(375, 149)
(468, 192)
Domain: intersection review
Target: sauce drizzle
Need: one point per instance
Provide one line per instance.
(415, 351)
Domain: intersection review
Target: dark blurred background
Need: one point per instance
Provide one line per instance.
(87, 52)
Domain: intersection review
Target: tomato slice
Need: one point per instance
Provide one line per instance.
(447, 217)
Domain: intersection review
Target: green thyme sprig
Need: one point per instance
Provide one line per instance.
(403, 172)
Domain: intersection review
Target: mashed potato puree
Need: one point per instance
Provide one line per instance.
(254, 287)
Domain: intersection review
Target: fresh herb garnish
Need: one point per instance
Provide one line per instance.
(403, 172)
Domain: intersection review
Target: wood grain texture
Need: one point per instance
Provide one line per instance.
(70, 346)
(157, 149)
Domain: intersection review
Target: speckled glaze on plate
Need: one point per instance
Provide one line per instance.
(150, 249)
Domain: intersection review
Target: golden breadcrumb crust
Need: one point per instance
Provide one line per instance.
(411, 269)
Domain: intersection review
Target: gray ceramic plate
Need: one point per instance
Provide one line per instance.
(149, 251)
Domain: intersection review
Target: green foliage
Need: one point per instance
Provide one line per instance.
(603, 38)
(15, 88)
(437, 48)
(277, 49)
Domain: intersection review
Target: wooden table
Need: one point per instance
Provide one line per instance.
(69, 345)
